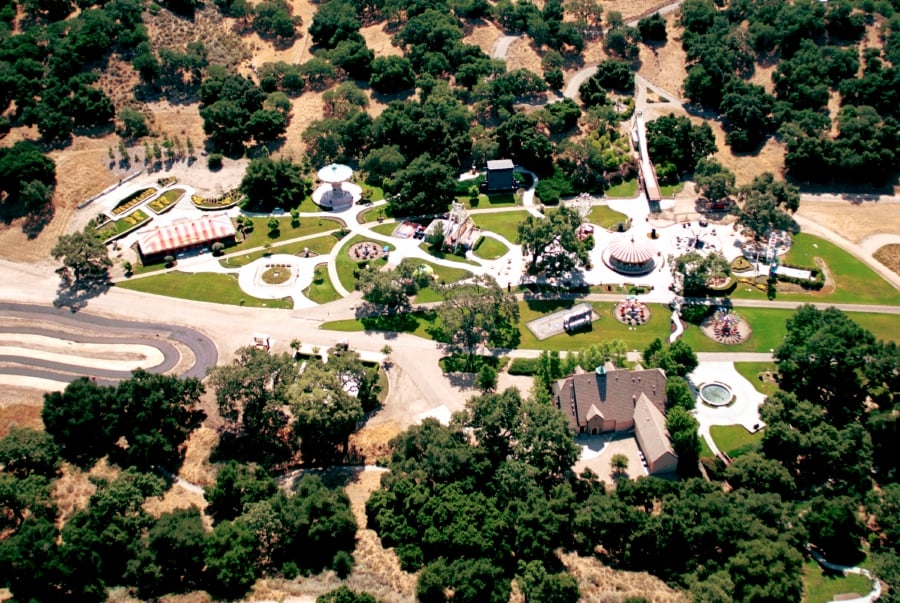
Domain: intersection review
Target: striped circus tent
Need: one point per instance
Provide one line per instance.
(185, 234)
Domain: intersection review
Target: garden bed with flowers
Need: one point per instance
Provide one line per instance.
(229, 199)
(166, 201)
(132, 200)
(115, 229)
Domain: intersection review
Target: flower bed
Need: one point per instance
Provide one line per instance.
(118, 228)
(166, 201)
(752, 283)
(741, 264)
(132, 200)
(229, 199)
(164, 182)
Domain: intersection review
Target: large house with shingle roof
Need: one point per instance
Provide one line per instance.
(611, 399)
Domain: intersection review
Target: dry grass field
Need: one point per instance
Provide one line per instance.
(889, 255)
(601, 584)
(483, 35)
(20, 407)
(663, 65)
(855, 223)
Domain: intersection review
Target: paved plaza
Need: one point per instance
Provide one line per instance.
(743, 411)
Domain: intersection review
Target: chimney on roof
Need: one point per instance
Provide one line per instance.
(633, 399)
(600, 372)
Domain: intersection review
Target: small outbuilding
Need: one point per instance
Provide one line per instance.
(500, 175)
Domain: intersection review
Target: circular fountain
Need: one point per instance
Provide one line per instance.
(716, 394)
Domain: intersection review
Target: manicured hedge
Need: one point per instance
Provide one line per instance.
(523, 366)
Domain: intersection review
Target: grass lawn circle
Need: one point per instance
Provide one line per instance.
(366, 251)
(276, 275)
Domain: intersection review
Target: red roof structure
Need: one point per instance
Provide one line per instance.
(185, 234)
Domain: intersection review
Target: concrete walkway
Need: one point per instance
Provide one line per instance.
(743, 411)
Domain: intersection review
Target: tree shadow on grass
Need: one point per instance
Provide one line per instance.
(397, 323)
(33, 222)
(36, 221)
(548, 305)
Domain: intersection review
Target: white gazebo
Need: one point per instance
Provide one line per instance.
(336, 191)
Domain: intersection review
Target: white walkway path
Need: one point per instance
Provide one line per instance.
(743, 411)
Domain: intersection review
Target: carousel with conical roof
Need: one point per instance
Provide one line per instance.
(630, 257)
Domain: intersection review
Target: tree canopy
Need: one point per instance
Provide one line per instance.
(676, 145)
(552, 244)
(141, 423)
(767, 204)
(478, 313)
(84, 257)
(479, 502)
(270, 183)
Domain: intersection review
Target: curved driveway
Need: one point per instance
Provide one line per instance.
(75, 327)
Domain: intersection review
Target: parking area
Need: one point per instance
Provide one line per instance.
(597, 453)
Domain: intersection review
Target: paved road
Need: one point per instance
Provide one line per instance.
(104, 330)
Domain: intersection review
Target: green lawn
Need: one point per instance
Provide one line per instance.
(445, 274)
(767, 324)
(116, 227)
(415, 322)
(607, 218)
(488, 248)
(705, 450)
(308, 206)
(319, 245)
(734, 440)
(376, 191)
(820, 587)
(346, 265)
(855, 282)
(261, 235)
(505, 224)
(385, 229)
(497, 200)
(625, 189)
(607, 327)
(321, 290)
(372, 214)
(751, 371)
(206, 286)
(447, 254)
(667, 190)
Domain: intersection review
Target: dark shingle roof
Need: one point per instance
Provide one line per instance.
(613, 394)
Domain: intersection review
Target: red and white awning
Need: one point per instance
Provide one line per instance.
(184, 234)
